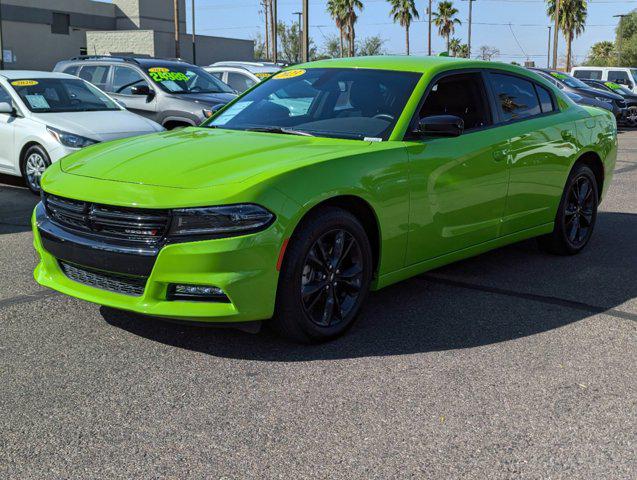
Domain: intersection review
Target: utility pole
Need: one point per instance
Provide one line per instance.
(299, 14)
(274, 32)
(556, 31)
(619, 37)
(194, 36)
(469, 32)
(176, 20)
(1, 41)
(429, 42)
(306, 32)
(548, 51)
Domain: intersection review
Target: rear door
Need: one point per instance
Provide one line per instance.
(458, 184)
(540, 148)
(124, 78)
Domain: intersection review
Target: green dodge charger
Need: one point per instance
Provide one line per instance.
(322, 183)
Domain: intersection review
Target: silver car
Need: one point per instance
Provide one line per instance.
(170, 92)
(243, 75)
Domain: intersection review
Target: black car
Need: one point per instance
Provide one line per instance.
(629, 97)
(570, 84)
(170, 92)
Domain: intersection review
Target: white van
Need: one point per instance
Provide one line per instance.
(622, 75)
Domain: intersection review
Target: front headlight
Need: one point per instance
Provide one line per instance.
(224, 220)
(604, 99)
(70, 139)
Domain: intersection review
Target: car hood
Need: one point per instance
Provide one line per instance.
(100, 126)
(203, 157)
(599, 93)
(207, 98)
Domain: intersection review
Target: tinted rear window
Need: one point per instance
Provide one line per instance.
(515, 97)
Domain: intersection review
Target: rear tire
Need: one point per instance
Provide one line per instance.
(32, 165)
(631, 116)
(576, 214)
(325, 277)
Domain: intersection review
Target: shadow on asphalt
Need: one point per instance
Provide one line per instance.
(495, 300)
(16, 204)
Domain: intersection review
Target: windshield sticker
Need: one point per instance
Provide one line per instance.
(230, 113)
(164, 75)
(24, 83)
(372, 139)
(289, 74)
(262, 75)
(38, 102)
(561, 76)
(172, 86)
(613, 85)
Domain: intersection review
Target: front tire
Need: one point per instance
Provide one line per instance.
(576, 214)
(32, 165)
(325, 277)
(631, 116)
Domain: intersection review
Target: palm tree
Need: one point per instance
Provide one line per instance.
(572, 22)
(602, 54)
(463, 51)
(336, 9)
(445, 19)
(403, 12)
(454, 46)
(350, 7)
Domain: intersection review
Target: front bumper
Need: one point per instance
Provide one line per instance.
(243, 267)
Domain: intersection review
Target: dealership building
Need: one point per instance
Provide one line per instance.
(36, 34)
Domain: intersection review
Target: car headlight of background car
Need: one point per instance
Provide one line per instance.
(223, 221)
(70, 139)
(604, 99)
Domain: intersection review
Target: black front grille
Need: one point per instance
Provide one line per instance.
(113, 282)
(143, 225)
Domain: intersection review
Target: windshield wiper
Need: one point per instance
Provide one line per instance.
(284, 130)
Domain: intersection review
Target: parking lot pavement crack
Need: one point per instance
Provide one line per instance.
(562, 302)
(28, 298)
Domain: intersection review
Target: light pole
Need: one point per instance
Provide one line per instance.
(306, 32)
(274, 32)
(619, 37)
(299, 14)
(194, 35)
(548, 51)
(469, 31)
(556, 32)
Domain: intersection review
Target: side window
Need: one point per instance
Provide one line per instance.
(546, 101)
(95, 74)
(218, 75)
(239, 81)
(5, 97)
(515, 97)
(124, 79)
(618, 76)
(591, 74)
(462, 95)
(72, 70)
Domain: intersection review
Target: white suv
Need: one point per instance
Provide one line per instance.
(621, 75)
(45, 116)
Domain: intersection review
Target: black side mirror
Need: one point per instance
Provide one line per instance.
(441, 126)
(142, 90)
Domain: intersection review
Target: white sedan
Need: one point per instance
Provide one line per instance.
(45, 116)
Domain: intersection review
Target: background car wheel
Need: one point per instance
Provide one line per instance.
(631, 116)
(33, 164)
(325, 277)
(576, 214)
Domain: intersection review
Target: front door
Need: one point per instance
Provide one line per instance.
(7, 135)
(458, 184)
(124, 79)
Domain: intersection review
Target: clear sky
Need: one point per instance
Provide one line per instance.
(491, 19)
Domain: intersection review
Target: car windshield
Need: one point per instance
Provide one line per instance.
(55, 95)
(568, 80)
(633, 72)
(326, 102)
(184, 78)
(617, 88)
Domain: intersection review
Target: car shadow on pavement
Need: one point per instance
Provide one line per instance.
(509, 293)
(16, 204)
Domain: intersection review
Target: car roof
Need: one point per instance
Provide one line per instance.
(21, 74)
(141, 61)
(254, 67)
(418, 64)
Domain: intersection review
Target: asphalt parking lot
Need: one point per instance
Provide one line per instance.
(514, 364)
